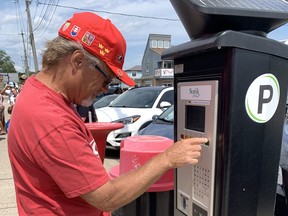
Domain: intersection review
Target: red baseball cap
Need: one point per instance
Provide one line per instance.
(100, 38)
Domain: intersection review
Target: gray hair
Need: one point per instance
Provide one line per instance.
(60, 47)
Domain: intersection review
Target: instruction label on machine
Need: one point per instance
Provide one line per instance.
(196, 94)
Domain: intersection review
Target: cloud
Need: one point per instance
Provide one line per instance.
(134, 29)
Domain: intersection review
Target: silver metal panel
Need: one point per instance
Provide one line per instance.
(195, 184)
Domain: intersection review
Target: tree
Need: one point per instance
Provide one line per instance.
(6, 64)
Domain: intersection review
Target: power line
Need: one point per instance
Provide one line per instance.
(113, 13)
(8, 35)
(47, 17)
(10, 44)
(41, 15)
(50, 17)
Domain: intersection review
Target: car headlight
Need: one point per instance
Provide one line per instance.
(128, 120)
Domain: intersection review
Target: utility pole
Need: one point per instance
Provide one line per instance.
(25, 56)
(31, 36)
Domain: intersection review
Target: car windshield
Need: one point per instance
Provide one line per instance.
(137, 98)
(167, 115)
(111, 90)
(104, 101)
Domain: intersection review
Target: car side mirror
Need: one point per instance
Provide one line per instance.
(165, 104)
(154, 117)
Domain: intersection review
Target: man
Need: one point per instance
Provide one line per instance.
(2, 106)
(56, 166)
(22, 81)
(2, 116)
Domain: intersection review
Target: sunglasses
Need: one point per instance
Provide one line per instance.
(108, 79)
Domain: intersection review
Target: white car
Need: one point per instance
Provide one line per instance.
(135, 109)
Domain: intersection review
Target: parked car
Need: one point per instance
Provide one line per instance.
(111, 90)
(104, 101)
(163, 125)
(135, 108)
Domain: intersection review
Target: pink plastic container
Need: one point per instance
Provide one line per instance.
(100, 131)
(136, 150)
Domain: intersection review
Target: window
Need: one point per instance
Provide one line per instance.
(160, 44)
(167, 84)
(167, 96)
(166, 44)
(134, 73)
(147, 69)
(165, 64)
(168, 64)
(137, 98)
(154, 44)
(148, 83)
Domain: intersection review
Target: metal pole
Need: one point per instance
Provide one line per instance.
(31, 36)
(25, 56)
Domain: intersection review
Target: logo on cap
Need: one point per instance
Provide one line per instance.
(119, 58)
(88, 38)
(103, 50)
(119, 73)
(75, 30)
(66, 25)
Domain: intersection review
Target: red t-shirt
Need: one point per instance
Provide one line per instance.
(54, 157)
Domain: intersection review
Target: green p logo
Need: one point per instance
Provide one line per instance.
(262, 98)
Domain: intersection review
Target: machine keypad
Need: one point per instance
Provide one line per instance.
(201, 184)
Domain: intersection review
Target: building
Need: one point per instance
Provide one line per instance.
(135, 73)
(155, 71)
(10, 77)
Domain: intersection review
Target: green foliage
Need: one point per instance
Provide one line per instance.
(6, 64)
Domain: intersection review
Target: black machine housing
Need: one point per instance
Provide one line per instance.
(229, 44)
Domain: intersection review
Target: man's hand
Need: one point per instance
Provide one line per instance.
(186, 151)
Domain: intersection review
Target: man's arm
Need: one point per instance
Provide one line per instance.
(124, 189)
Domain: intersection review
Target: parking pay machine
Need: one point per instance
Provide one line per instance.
(231, 87)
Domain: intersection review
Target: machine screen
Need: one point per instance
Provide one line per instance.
(195, 118)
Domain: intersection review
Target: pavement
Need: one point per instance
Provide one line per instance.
(8, 205)
(7, 193)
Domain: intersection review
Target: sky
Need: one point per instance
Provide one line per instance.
(135, 19)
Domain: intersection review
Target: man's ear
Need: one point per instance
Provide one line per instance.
(77, 59)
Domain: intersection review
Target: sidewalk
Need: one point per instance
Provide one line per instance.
(7, 193)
